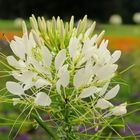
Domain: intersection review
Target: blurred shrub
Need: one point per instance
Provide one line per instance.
(136, 18)
(115, 19)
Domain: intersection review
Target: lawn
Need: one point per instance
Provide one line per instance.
(122, 30)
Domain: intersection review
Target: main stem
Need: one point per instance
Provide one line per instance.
(67, 125)
(45, 127)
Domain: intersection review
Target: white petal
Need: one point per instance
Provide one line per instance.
(14, 88)
(119, 110)
(103, 104)
(112, 93)
(60, 59)
(22, 64)
(46, 56)
(89, 52)
(41, 82)
(42, 99)
(89, 44)
(103, 45)
(37, 66)
(104, 89)
(88, 92)
(58, 85)
(62, 70)
(115, 56)
(18, 49)
(63, 75)
(29, 44)
(106, 72)
(78, 78)
(31, 40)
(90, 30)
(65, 79)
(73, 46)
(12, 61)
(87, 77)
(25, 77)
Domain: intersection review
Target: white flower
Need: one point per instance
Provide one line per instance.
(85, 64)
(42, 99)
(59, 67)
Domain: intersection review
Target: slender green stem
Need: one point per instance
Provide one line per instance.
(45, 127)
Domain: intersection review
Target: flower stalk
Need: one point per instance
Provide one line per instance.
(45, 127)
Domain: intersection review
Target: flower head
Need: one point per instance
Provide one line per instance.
(59, 66)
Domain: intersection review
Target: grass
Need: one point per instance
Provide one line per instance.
(121, 30)
(9, 25)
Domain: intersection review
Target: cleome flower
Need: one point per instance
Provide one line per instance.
(83, 63)
(46, 66)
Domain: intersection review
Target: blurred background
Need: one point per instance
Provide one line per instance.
(121, 21)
